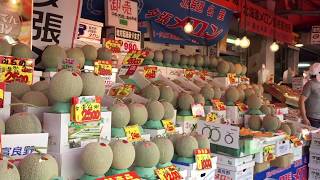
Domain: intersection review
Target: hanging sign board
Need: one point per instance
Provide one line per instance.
(315, 35)
(90, 31)
(131, 40)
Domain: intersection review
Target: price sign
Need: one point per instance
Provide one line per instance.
(168, 125)
(114, 45)
(202, 74)
(211, 117)
(217, 104)
(133, 133)
(150, 71)
(85, 109)
(198, 110)
(16, 69)
(269, 153)
(2, 88)
(189, 73)
(135, 57)
(232, 78)
(131, 39)
(124, 176)
(103, 68)
(70, 65)
(168, 173)
(242, 107)
(122, 90)
(203, 159)
(127, 70)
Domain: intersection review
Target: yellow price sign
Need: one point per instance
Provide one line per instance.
(150, 72)
(133, 133)
(103, 68)
(135, 57)
(269, 153)
(203, 159)
(168, 173)
(113, 45)
(218, 105)
(168, 125)
(232, 78)
(211, 117)
(242, 107)
(189, 73)
(2, 88)
(86, 109)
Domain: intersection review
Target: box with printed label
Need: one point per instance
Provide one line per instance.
(233, 161)
(221, 116)
(241, 172)
(297, 152)
(314, 157)
(283, 147)
(234, 115)
(144, 137)
(160, 132)
(314, 172)
(187, 123)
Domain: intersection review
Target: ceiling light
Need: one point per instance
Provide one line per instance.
(188, 28)
(274, 47)
(303, 65)
(237, 42)
(245, 42)
(298, 45)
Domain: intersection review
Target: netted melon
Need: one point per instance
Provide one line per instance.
(248, 92)
(207, 92)
(150, 55)
(155, 110)
(96, 158)
(199, 60)
(5, 48)
(123, 154)
(168, 110)
(167, 56)
(166, 93)
(176, 58)
(120, 115)
(166, 149)
(38, 167)
(242, 95)
(238, 69)
(8, 171)
(203, 141)
(232, 95)
(185, 101)
(174, 139)
(191, 61)
(186, 145)
(138, 114)
(64, 85)
(2, 127)
(158, 56)
(199, 99)
(175, 99)
(184, 60)
(217, 93)
(104, 54)
(76, 54)
(285, 128)
(36, 98)
(151, 92)
(147, 154)
(18, 89)
(21, 50)
(213, 62)
(90, 52)
(255, 122)
(40, 86)
(244, 70)
(23, 123)
(206, 61)
(223, 67)
(293, 129)
(254, 102)
(52, 56)
(93, 85)
(270, 123)
(232, 68)
(265, 109)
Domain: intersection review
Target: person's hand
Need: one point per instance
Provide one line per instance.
(306, 121)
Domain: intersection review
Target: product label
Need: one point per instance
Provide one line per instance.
(197, 110)
(168, 125)
(168, 173)
(232, 78)
(124, 176)
(269, 153)
(211, 117)
(2, 88)
(85, 109)
(122, 90)
(70, 65)
(242, 107)
(103, 68)
(133, 133)
(218, 105)
(189, 73)
(113, 45)
(135, 57)
(203, 159)
(150, 71)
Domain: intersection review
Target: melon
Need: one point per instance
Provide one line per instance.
(242, 95)
(293, 129)
(191, 61)
(184, 60)
(18, 89)
(93, 85)
(21, 50)
(38, 167)
(76, 54)
(168, 110)
(176, 57)
(232, 68)
(270, 123)
(272, 109)
(244, 70)
(155, 110)
(186, 145)
(151, 92)
(23, 123)
(203, 141)
(90, 52)
(254, 102)
(120, 115)
(232, 95)
(248, 92)
(166, 93)
(2, 127)
(199, 99)
(174, 139)
(255, 122)
(52, 56)
(158, 56)
(285, 128)
(40, 86)
(147, 154)
(36, 98)
(217, 93)
(206, 61)
(238, 69)
(5, 48)
(8, 171)
(199, 60)
(185, 101)
(213, 61)
(223, 67)
(166, 149)
(265, 109)
(138, 114)
(96, 158)
(150, 55)
(207, 92)
(64, 85)
(167, 56)
(123, 154)
(104, 54)
(175, 99)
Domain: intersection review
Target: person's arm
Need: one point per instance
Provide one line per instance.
(302, 106)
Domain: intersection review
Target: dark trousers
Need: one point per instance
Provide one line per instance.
(314, 122)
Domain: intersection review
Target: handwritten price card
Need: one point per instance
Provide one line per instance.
(197, 110)
(269, 153)
(168, 125)
(203, 159)
(211, 117)
(135, 57)
(122, 90)
(16, 69)
(86, 109)
(189, 73)
(2, 88)
(242, 107)
(124, 176)
(150, 71)
(218, 105)
(168, 173)
(133, 133)
(70, 65)
(232, 78)
(113, 45)
(103, 68)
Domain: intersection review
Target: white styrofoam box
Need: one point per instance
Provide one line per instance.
(5, 112)
(173, 73)
(183, 173)
(241, 172)
(38, 111)
(7, 98)
(17, 146)
(187, 124)
(57, 125)
(69, 164)
(247, 117)
(222, 81)
(36, 76)
(160, 132)
(297, 152)
(233, 115)
(207, 174)
(233, 161)
(314, 157)
(48, 75)
(315, 140)
(283, 147)
(258, 157)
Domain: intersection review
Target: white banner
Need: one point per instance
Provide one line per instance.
(90, 31)
(131, 40)
(315, 35)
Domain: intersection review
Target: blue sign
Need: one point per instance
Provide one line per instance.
(93, 10)
(168, 18)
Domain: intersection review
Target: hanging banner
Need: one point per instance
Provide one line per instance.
(315, 35)
(230, 4)
(210, 21)
(256, 19)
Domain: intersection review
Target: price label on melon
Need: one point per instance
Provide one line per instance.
(123, 176)
(168, 173)
(211, 117)
(218, 105)
(269, 153)
(2, 88)
(168, 125)
(203, 159)
(70, 65)
(150, 71)
(16, 69)
(242, 107)
(122, 90)
(133, 133)
(113, 45)
(202, 74)
(232, 78)
(197, 110)
(85, 109)
(189, 73)
(135, 57)
(103, 68)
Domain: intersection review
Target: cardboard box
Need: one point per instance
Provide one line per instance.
(234, 116)
(241, 172)
(160, 132)
(59, 127)
(247, 117)
(297, 152)
(38, 111)
(233, 161)
(187, 123)
(314, 172)
(283, 147)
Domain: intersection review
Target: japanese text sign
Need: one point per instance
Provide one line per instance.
(16, 69)
(197, 110)
(131, 40)
(90, 31)
(150, 71)
(10, 24)
(203, 159)
(133, 133)
(103, 68)
(168, 173)
(70, 65)
(315, 35)
(135, 57)
(2, 88)
(211, 117)
(123, 176)
(122, 90)
(269, 153)
(85, 109)
(189, 73)
(218, 105)
(114, 45)
(168, 125)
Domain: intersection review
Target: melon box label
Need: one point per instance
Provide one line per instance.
(85, 109)
(168, 125)
(124, 176)
(103, 68)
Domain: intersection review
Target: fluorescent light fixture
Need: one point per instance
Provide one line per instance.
(303, 65)
(230, 41)
(298, 45)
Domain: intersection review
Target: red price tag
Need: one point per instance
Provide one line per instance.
(232, 78)
(124, 176)
(135, 57)
(103, 68)
(128, 46)
(217, 104)
(168, 173)
(202, 74)
(150, 72)
(203, 159)
(2, 88)
(189, 73)
(85, 109)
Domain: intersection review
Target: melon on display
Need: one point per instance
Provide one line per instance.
(155, 110)
(158, 56)
(186, 145)
(286, 128)
(52, 56)
(265, 109)
(185, 101)
(174, 139)
(150, 55)
(199, 60)
(217, 93)
(166, 149)
(191, 61)
(254, 102)
(104, 54)
(18, 89)
(168, 110)
(238, 69)
(76, 54)
(244, 70)
(270, 123)
(223, 67)
(23, 123)
(5, 48)
(138, 114)
(167, 56)
(8, 171)
(120, 115)
(90, 52)
(166, 93)
(242, 95)
(123, 154)
(93, 85)
(232, 95)
(184, 60)
(40, 86)
(147, 154)
(207, 92)
(21, 50)
(255, 122)
(248, 92)
(203, 141)
(199, 99)
(36, 98)
(232, 68)
(151, 92)
(176, 58)
(213, 61)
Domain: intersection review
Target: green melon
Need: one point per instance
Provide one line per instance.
(120, 115)
(166, 93)
(176, 57)
(5, 48)
(265, 109)
(199, 99)
(175, 99)
(213, 61)
(184, 60)
(223, 67)
(158, 56)
(254, 102)
(167, 56)
(38, 167)
(191, 61)
(206, 61)
(232, 95)
(151, 92)
(232, 68)
(168, 110)
(244, 70)
(123, 154)
(52, 56)
(293, 129)
(90, 52)
(150, 55)
(147, 154)
(185, 101)
(64, 85)
(104, 54)
(270, 123)
(238, 69)
(21, 50)
(255, 122)
(138, 114)
(174, 139)
(8, 171)
(76, 54)
(96, 158)
(199, 60)
(23, 123)
(217, 93)
(186, 145)
(207, 92)
(248, 92)
(155, 110)
(2, 127)
(272, 109)
(36, 98)
(166, 149)
(93, 85)
(18, 89)
(40, 86)
(242, 95)
(286, 128)
(203, 141)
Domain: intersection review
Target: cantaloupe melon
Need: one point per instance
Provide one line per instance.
(104, 54)
(38, 167)
(36, 98)
(223, 67)
(5, 48)
(184, 60)
(217, 93)
(199, 99)
(203, 141)
(21, 50)
(2, 127)
(167, 56)
(207, 92)
(213, 61)
(248, 92)
(64, 85)
(166, 149)
(174, 139)
(232, 95)
(175, 99)
(265, 109)
(93, 85)
(186, 145)
(185, 101)
(254, 102)
(40, 86)
(90, 52)
(96, 158)
(18, 89)
(150, 55)
(76, 54)
(147, 154)
(23, 123)
(199, 60)
(120, 115)
(242, 95)
(155, 110)
(238, 69)
(166, 93)
(232, 68)
(168, 110)
(158, 56)
(176, 56)
(191, 61)
(255, 122)
(270, 123)
(293, 129)
(138, 114)
(244, 70)
(286, 128)
(206, 61)
(8, 171)
(52, 56)
(151, 92)
(123, 154)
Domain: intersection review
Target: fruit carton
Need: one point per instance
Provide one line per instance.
(234, 116)
(187, 123)
(160, 132)
(233, 161)
(283, 147)
(241, 172)
(36, 76)
(314, 172)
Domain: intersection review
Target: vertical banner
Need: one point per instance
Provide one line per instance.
(315, 35)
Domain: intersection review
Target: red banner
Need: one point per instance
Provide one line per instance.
(230, 4)
(124, 176)
(262, 21)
